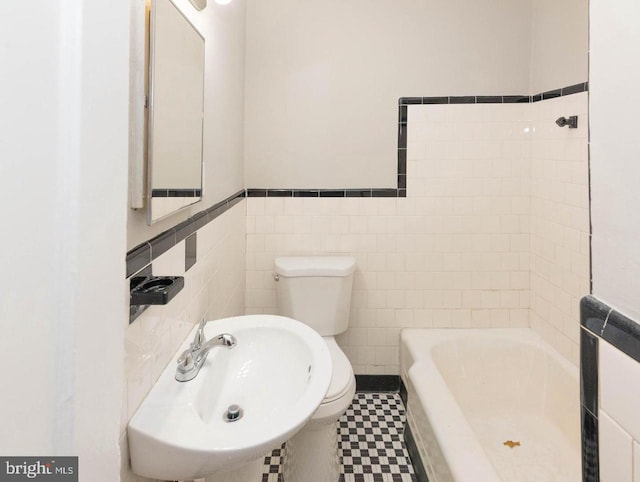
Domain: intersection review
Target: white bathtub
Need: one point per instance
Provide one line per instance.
(469, 391)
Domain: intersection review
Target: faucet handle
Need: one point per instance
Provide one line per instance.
(185, 360)
(199, 338)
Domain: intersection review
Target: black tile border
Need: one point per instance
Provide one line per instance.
(493, 99)
(377, 383)
(414, 453)
(138, 258)
(409, 439)
(610, 325)
(589, 372)
(404, 394)
(599, 321)
(144, 254)
(334, 193)
(176, 193)
(403, 119)
(590, 449)
(190, 251)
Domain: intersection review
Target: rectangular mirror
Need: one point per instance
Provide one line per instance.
(176, 100)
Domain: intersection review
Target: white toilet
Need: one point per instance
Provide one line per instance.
(317, 291)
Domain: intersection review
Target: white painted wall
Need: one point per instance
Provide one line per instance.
(323, 79)
(559, 45)
(615, 153)
(223, 27)
(63, 120)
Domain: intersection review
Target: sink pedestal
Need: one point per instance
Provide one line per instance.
(251, 472)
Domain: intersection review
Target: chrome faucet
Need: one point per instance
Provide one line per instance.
(192, 359)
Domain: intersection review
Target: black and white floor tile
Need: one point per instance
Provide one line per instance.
(370, 443)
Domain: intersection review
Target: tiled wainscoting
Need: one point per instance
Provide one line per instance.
(214, 288)
(493, 231)
(560, 225)
(610, 394)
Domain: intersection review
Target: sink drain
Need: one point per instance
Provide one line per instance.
(233, 413)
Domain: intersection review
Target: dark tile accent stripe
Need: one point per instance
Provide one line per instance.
(138, 258)
(612, 326)
(403, 119)
(599, 320)
(552, 94)
(190, 251)
(409, 100)
(279, 192)
(404, 394)
(306, 193)
(184, 229)
(337, 193)
(516, 99)
(200, 220)
(162, 243)
(143, 254)
(332, 192)
(377, 383)
(489, 99)
(402, 136)
(496, 99)
(466, 99)
(176, 193)
(575, 89)
(590, 449)
(589, 372)
(384, 192)
(402, 161)
(414, 454)
(435, 100)
(402, 114)
(358, 192)
(256, 193)
(217, 209)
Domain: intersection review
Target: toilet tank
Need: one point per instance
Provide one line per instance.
(316, 290)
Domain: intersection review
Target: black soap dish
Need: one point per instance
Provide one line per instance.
(155, 290)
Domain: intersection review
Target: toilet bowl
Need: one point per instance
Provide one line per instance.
(342, 386)
(317, 291)
(312, 453)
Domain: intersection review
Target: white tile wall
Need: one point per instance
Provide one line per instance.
(615, 445)
(619, 387)
(214, 288)
(619, 427)
(559, 221)
(454, 253)
(457, 252)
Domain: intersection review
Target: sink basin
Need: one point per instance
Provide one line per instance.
(277, 373)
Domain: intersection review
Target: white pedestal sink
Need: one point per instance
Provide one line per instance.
(277, 373)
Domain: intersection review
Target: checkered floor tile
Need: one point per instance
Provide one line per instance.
(369, 440)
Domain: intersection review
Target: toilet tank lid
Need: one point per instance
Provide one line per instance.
(299, 266)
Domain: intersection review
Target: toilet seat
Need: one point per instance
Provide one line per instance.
(342, 375)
